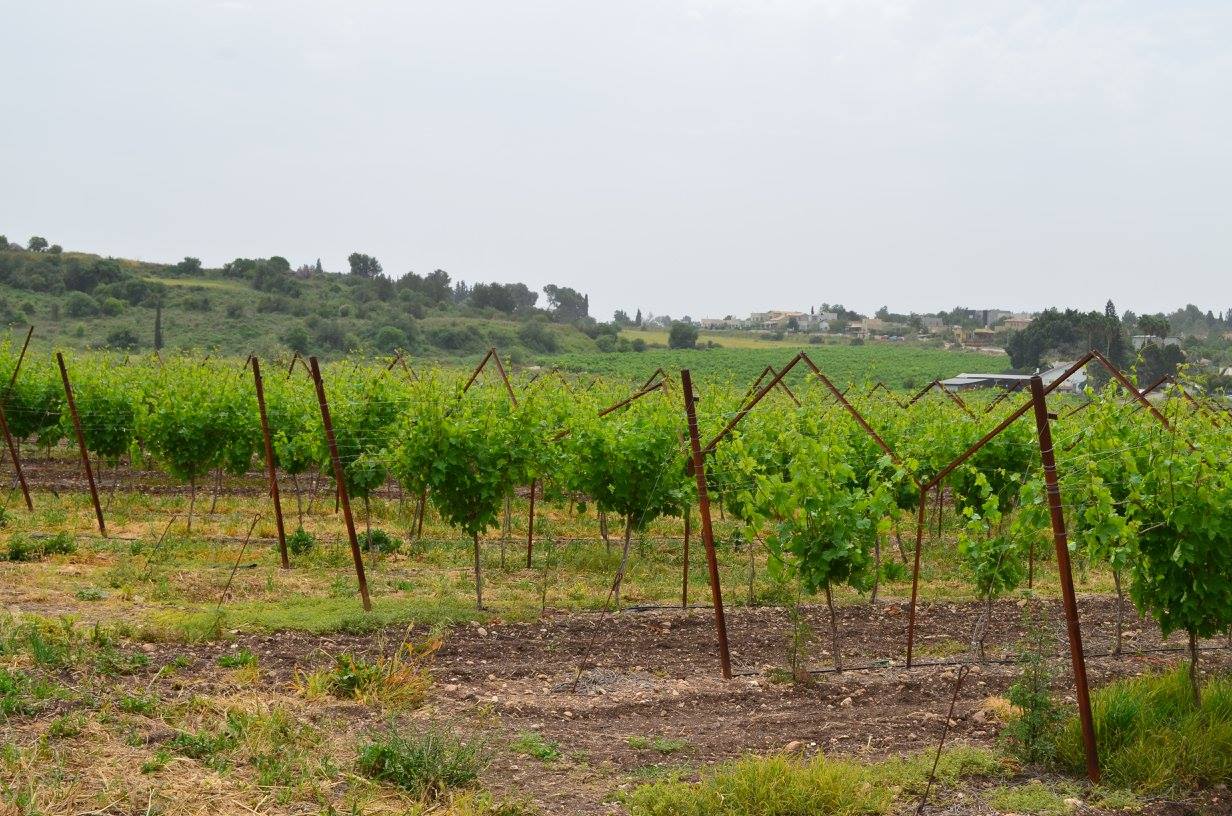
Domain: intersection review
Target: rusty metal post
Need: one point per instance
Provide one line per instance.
(703, 505)
(530, 528)
(81, 443)
(21, 476)
(17, 368)
(340, 477)
(1083, 693)
(269, 464)
(920, 523)
(684, 582)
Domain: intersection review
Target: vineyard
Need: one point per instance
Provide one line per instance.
(266, 563)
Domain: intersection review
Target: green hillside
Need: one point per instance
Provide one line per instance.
(262, 306)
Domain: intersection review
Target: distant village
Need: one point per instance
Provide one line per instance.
(982, 329)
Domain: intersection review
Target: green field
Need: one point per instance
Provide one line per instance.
(897, 365)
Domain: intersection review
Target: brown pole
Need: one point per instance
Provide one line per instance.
(684, 582)
(81, 443)
(269, 464)
(340, 477)
(17, 368)
(920, 522)
(21, 477)
(703, 505)
(530, 531)
(1083, 693)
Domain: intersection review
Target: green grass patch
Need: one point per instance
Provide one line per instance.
(664, 745)
(427, 765)
(317, 615)
(534, 745)
(1033, 798)
(1152, 737)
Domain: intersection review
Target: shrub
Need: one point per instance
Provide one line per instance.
(301, 542)
(380, 541)
(237, 659)
(123, 339)
(536, 336)
(389, 339)
(427, 765)
(79, 304)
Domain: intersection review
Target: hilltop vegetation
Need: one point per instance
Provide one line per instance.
(262, 305)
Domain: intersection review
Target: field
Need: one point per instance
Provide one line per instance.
(177, 670)
(899, 366)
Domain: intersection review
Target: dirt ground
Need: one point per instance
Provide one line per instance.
(655, 673)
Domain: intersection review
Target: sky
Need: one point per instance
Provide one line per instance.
(684, 157)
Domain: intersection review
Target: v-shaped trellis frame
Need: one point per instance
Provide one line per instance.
(957, 400)
(698, 468)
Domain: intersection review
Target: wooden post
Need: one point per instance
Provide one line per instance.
(269, 464)
(340, 477)
(1083, 694)
(81, 443)
(703, 505)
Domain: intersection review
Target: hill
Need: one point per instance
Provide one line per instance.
(263, 306)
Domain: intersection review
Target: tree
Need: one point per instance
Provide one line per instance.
(621, 318)
(36, 244)
(637, 320)
(793, 324)
(189, 266)
(567, 304)
(297, 339)
(1154, 325)
(682, 336)
(158, 327)
(55, 249)
(364, 266)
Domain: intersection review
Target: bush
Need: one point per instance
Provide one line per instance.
(79, 304)
(1152, 737)
(380, 541)
(301, 542)
(110, 306)
(123, 340)
(537, 336)
(427, 765)
(389, 339)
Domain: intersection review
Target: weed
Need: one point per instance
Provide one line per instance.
(1033, 798)
(237, 659)
(426, 765)
(775, 786)
(397, 682)
(157, 762)
(1031, 736)
(145, 704)
(91, 594)
(1152, 737)
(70, 725)
(663, 745)
(534, 745)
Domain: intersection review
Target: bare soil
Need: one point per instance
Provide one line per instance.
(655, 673)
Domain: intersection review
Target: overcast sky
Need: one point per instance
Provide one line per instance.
(698, 157)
